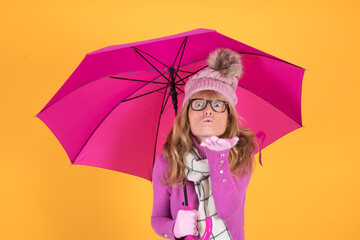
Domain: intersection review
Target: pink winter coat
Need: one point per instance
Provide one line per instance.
(229, 195)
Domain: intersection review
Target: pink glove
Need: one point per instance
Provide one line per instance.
(219, 144)
(185, 223)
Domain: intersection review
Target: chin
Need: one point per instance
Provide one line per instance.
(206, 135)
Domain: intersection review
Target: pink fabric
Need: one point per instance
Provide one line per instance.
(209, 79)
(219, 144)
(229, 196)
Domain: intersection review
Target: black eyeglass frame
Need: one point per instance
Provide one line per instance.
(209, 101)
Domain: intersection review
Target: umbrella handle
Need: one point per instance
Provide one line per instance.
(208, 228)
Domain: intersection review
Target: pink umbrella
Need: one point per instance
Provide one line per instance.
(114, 110)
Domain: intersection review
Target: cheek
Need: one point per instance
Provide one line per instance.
(192, 119)
(223, 123)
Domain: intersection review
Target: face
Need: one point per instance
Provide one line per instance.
(203, 129)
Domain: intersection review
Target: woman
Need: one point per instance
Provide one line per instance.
(208, 148)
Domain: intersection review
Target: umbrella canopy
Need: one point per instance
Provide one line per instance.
(116, 108)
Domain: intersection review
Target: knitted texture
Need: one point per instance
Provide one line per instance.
(221, 75)
(209, 79)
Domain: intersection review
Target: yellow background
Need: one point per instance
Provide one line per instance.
(308, 187)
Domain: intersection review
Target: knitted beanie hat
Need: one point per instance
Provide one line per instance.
(221, 75)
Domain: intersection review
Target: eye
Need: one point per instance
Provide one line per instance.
(198, 104)
(217, 104)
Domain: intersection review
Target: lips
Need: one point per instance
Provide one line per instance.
(207, 120)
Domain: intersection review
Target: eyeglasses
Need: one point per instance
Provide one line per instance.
(198, 104)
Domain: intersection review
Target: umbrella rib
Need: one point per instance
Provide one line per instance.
(201, 59)
(136, 49)
(183, 70)
(181, 47)
(157, 132)
(182, 79)
(145, 94)
(277, 59)
(166, 70)
(93, 82)
(270, 104)
(280, 60)
(135, 80)
(166, 87)
(182, 53)
(125, 99)
(163, 107)
(142, 71)
(179, 89)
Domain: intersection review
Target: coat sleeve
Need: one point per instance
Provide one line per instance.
(161, 220)
(224, 185)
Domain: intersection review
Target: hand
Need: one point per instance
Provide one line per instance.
(219, 144)
(185, 223)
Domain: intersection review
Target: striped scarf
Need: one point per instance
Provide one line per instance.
(197, 171)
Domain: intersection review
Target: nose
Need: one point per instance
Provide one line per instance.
(208, 111)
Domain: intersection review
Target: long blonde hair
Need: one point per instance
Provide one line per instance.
(179, 143)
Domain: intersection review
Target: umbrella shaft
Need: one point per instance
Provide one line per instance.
(173, 92)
